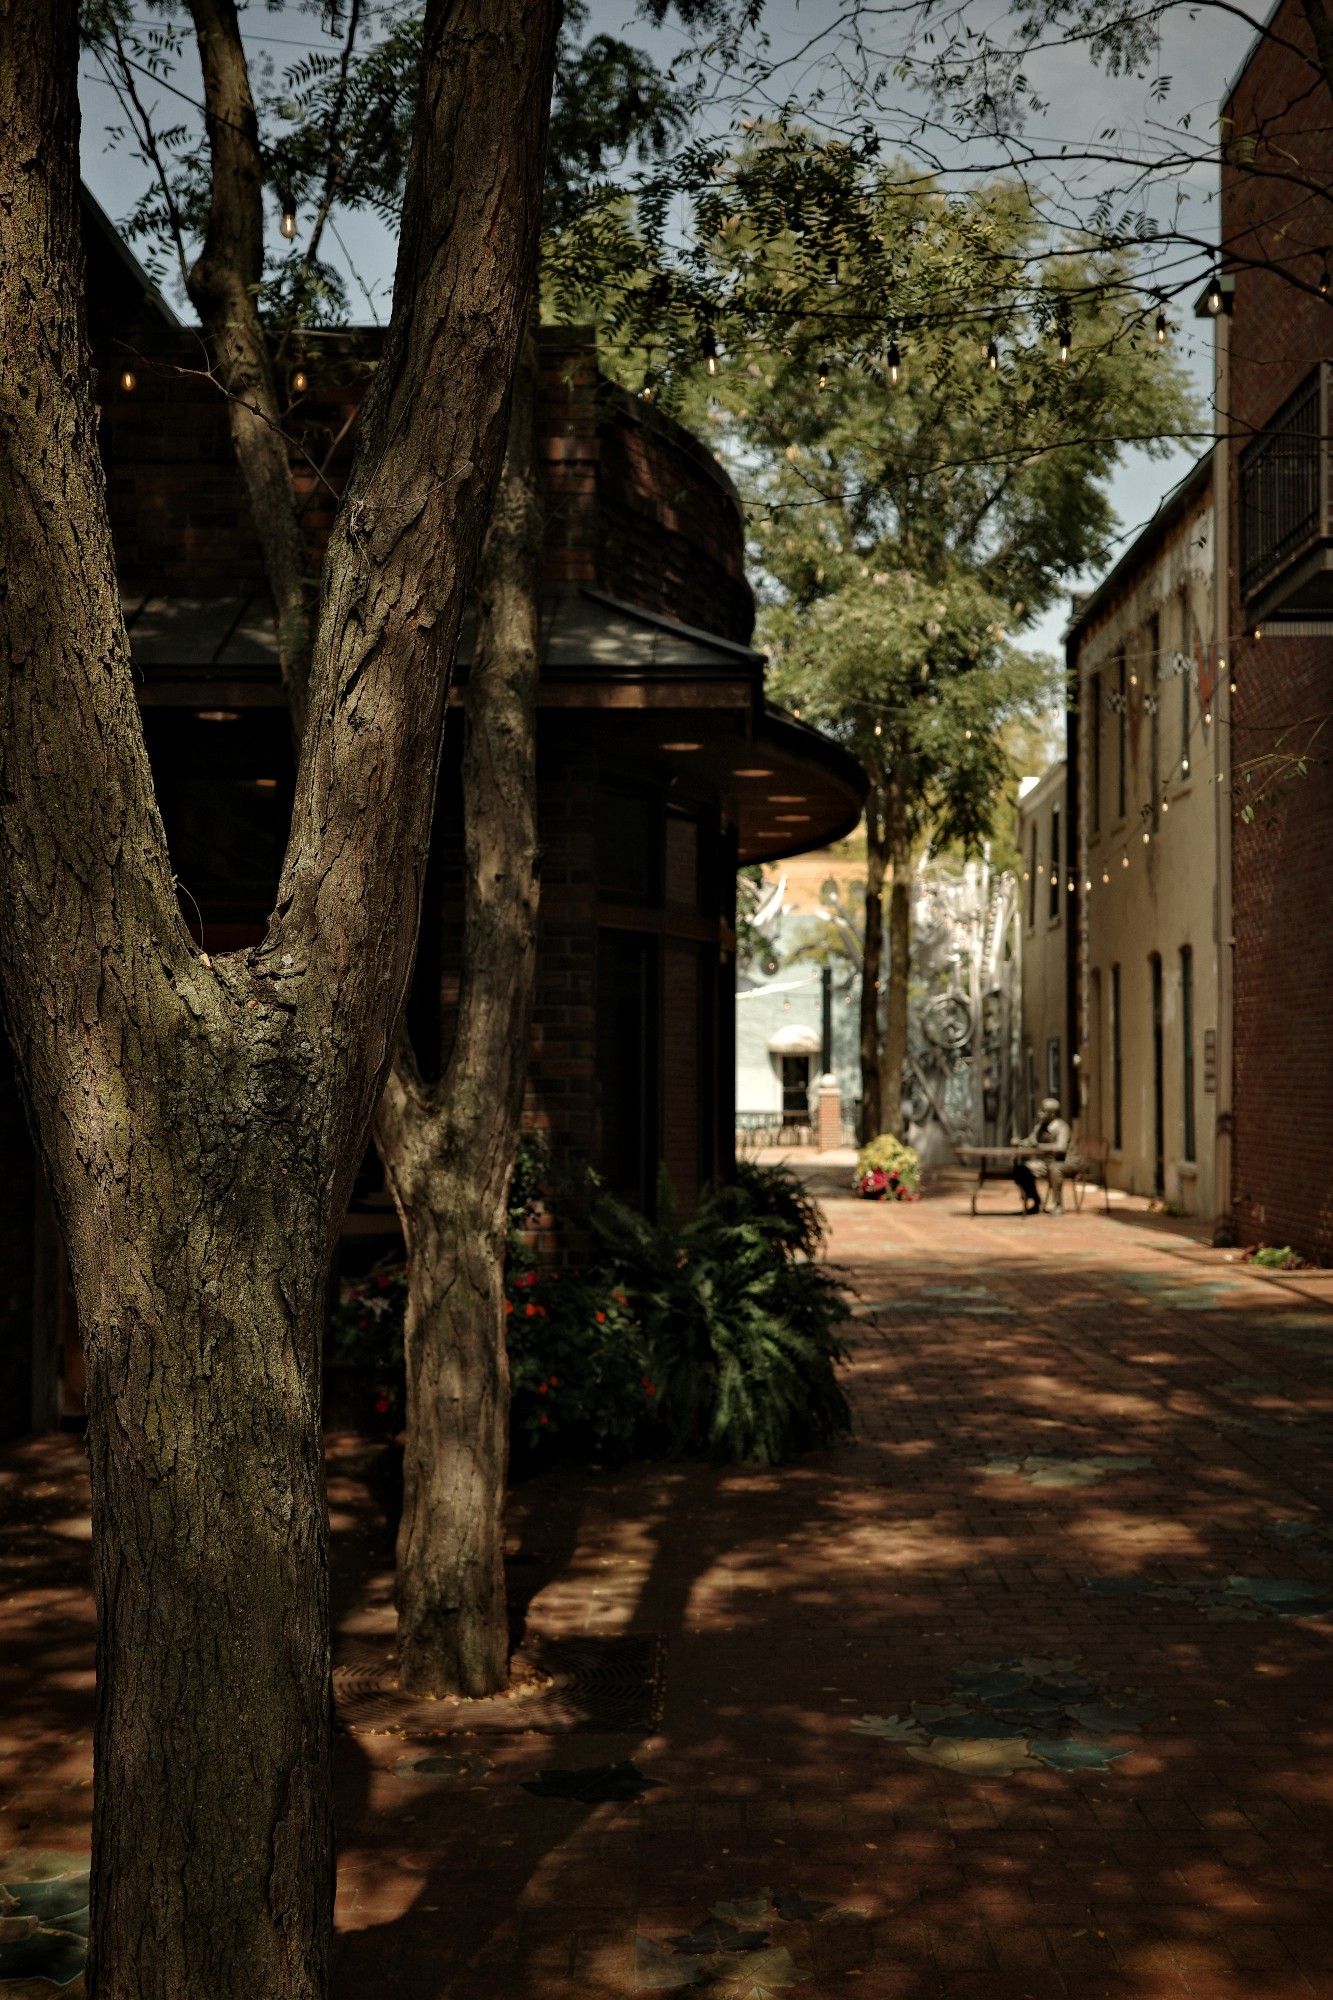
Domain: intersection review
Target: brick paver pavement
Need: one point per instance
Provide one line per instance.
(1076, 1567)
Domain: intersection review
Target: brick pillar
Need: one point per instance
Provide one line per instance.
(828, 1113)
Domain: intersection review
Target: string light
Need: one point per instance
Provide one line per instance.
(1184, 767)
(709, 344)
(128, 381)
(1146, 836)
(288, 224)
(1161, 329)
(1069, 886)
(879, 729)
(822, 375)
(895, 364)
(1106, 875)
(1066, 339)
(1124, 861)
(1213, 298)
(1087, 886)
(300, 382)
(1166, 804)
(1325, 278)
(1207, 718)
(648, 392)
(993, 355)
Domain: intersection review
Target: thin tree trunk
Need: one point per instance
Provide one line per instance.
(900, 961)
(449, 1162)
(871, 964)
(200, 1121)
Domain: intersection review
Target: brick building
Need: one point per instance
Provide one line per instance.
(660, 766)
(1275, 573)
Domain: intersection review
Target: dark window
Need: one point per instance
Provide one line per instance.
(1121, 737)
(1053, 907)
(796, 1089)
(1117, 1069)
(1185, 679)
(681, 875)
(1158, 1078)
(1032, 876)
(1095, 773)
(1053, 1067)
(1187, 1044)
(628, 832)
(1154, 722)
(627, 1065)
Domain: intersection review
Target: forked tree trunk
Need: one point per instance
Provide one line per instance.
(200, 1122)
(871, 966)
(448, 1151)
(449, 1154)
(900, 962)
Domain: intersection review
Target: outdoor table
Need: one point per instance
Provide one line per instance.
(995, 1163)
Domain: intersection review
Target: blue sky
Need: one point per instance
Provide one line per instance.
(1199, 52)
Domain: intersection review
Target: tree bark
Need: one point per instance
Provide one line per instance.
(900, 961)
(224, 286)
(449, 1176)
(450, 1157)
(871, 965)
(201, 1120)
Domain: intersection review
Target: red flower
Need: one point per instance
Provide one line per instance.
(620, 1298)
(542, 1388)
(543, 1418)
(648, 1388)
(534, 1312)
(600, 1318)
(509, 1307)
(555, 1381)
(382, 1406)
(526, 1278)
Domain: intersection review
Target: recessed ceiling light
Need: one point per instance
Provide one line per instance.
(786, 798)
(266, 784)
(794, 819)
(682, 746)
(754, 774)
(217, 715)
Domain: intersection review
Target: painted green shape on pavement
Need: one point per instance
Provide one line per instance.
(891, 1728)
(62, 1896)
(55, 1955)
(744, 1908)
(718, 1934)
(1073, 1753)
(758, 1975)
(800, 1909)
(660, 1971)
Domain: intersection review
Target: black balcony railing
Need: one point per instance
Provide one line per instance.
(1283, 497)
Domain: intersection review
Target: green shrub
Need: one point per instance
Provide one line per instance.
(888, 1166)
(579, 1369)
(737, 1316)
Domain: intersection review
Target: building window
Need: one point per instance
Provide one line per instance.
(1053, 907)
(1053, 1066)
(1187, 1044)
(795, 1090)
(1032, 877)
(1095, 760)
(1154, 721)
(1121, 737)
(1117, 1069)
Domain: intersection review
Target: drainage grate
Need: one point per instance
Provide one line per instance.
(604, 1687)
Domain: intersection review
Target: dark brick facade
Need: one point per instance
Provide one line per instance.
(1276, 226)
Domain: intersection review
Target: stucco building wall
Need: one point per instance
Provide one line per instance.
(1142, 657)
(1047, 905)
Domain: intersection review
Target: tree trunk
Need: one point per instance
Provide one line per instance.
(450, 1162)
(200, 1120)
(871, 964)
(900, 963)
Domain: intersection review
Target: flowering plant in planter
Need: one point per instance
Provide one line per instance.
(365, 1346)
(887, 1170)
(579, 1369)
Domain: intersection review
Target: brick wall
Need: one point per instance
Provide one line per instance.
(635, 506)
(1282, 878)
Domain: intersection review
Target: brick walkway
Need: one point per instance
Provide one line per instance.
(1074, 1567)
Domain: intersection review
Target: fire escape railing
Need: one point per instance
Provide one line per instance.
(1283, 484)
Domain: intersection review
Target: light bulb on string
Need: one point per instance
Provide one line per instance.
(1231, 687)
(895, 364)
(129, 381)
(709, 345)
(1184, 767)
(300, 381)
(1133, 679)
(1325, 278)
(1124, 861)
(1106, 876)
(648, 393)
(288, 223)
(1069, 887)
(879, 729)
(822, 375)
(1146, 837)
(1161, 329)
(1207, 717)
(1166, 804)
(1066, 338)
(1087, 886)
(993, 355)
(1213, 298)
